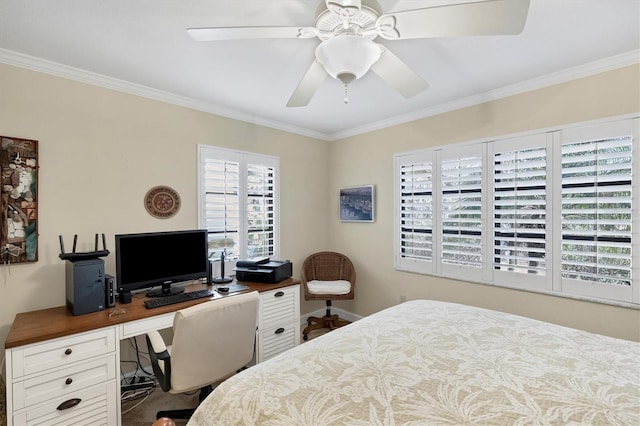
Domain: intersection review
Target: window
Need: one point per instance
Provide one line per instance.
(555, 212)
(415, 202)
(238, 202)
(461, 229)
(596, 217)
(520, 179)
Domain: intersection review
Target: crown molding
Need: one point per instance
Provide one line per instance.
(569, 74)
(48, 67)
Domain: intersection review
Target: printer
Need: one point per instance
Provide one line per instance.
(263, 270)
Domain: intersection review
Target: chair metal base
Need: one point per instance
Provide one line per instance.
(328, 321)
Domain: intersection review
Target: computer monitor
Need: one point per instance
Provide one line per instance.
(152, 259)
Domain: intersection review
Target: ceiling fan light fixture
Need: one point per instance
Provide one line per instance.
(347, 54)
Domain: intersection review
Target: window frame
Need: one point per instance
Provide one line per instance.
(549, 282)
(244, 159)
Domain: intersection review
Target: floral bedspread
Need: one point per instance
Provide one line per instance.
(427, 362)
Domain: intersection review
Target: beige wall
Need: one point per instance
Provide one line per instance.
(368, 159)
(100, 151)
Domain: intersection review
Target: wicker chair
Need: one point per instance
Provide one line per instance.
(327, 276)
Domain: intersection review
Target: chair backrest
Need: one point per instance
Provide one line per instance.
(328, 266)
(212, 340)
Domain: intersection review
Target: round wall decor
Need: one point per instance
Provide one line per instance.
(162, 202)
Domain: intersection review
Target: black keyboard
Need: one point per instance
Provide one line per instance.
(177, 298)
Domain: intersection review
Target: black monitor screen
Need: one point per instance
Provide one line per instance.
(160, 258)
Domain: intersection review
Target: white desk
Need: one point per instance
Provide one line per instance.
(62, 369)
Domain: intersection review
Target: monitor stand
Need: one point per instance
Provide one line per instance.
(166, 290)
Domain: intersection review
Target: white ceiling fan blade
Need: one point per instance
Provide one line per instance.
(397, 74)
(308, 86)
(238, 33)
(488, 17)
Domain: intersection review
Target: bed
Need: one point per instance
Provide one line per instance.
(429, 362)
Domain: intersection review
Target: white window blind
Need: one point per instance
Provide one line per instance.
(238, 202)
(416, 205)
(260, 210)
(554, 211)
(461, 211)
(519, 211)
(597, 211)
(221, 181)
(416, 212)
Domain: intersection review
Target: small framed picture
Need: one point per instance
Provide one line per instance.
(357, 204)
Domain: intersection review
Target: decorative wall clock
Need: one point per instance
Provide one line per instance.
(162, 202)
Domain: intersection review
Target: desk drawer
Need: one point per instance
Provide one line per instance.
(61, 382)
(136, 328)
(62, 352)
(97, 406)
(278, 307)
(276, 340)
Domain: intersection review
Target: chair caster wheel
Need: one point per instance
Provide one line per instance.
(305, 337)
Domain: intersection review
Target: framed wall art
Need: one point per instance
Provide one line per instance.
(357, 204)
(18, 200)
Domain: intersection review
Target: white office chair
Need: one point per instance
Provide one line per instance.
(211, 341)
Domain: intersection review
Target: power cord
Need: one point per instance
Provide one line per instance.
(142, 394)
(138, 357)
(140, 375)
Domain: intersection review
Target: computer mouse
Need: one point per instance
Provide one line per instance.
(222, 289)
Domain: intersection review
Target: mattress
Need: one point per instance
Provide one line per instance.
(429, 362)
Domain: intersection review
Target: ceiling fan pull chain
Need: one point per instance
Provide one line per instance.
(346, 95)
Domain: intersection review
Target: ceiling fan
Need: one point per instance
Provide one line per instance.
(347, 29)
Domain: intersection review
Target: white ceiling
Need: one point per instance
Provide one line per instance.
(141, 46)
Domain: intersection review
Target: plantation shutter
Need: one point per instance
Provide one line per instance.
(222, 205)
(596, 214)
(461, 211)
(520, 211)
(260, 210)
(238, 203)
(414, 216)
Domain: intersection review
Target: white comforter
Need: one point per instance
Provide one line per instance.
(427, 362)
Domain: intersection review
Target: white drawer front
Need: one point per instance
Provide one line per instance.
(277, 340)
(278, 307)
(97, 406)
(61, 352)
(61, 382)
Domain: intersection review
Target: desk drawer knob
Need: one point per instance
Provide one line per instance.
(279, 331)
(69, 403)
(279, 294)
(68, 381)
(68, 351)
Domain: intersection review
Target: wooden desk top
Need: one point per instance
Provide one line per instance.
(45, 324)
